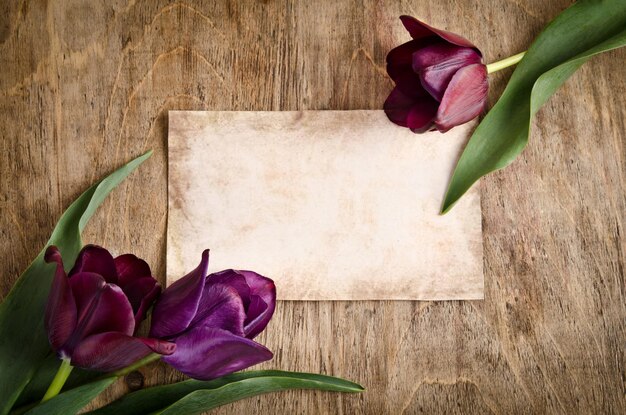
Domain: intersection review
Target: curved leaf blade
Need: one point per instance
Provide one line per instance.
(207, 399)
(45, 373)
(25, 346)
(584, 29)
(72, 401)
(193, 396)
(548, 83)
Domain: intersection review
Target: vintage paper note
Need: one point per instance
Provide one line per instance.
(333, 205)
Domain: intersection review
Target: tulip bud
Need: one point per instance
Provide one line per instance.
(213, 319)
(92, 314)
(440, 80)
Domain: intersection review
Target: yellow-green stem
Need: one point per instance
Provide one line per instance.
(139, 363)
(59, 380)
(505, 63)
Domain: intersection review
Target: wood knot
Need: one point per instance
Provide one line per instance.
(134, 380)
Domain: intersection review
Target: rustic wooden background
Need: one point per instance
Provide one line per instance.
(86, 85)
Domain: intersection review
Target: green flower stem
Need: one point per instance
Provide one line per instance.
(139, 363)
(505, 63)
(59, 380)
(64, 371)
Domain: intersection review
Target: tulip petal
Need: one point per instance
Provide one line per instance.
(262, 303)
(444, 55)
(397, 107)
(400, 68)
(437, 63)
(234, 279)
(418, 115)
(258, 294)
(86, 287)
(130, 268)
(141, 293)
(101, 307)
(93, 258)
(259, 285)
(61, 315)
(178, 304)
(420, 30)
(110, 351)
(207, 353)
(258, 316)
(159, 346)
(464, 98)
(220, 307)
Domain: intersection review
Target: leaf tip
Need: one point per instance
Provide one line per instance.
(445, 209)
(447, 205)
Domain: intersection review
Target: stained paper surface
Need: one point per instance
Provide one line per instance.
(332, 205)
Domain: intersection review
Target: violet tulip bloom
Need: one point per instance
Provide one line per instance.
(213, 319)
(440, 80)
(92, 314)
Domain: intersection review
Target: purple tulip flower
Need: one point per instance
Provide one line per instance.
(92, 314)
(213, 319)
(440, 80)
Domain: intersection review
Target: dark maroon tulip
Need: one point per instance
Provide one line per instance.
(128, 272)
(92, 314)
(213, 319)
(440, 80)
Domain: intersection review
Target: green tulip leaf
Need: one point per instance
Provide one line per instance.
(194, 396)
(24, 345)
(585, 29)
(38, 385)
(72, 401)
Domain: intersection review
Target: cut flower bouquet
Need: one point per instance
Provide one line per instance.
(75, 314)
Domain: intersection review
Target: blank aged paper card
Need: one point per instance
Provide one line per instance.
(332, 205)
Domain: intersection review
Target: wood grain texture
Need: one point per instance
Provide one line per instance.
(85, 86)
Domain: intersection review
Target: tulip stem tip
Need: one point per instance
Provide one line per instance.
(505, 63)
(59, 380)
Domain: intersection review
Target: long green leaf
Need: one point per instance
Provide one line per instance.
(72, 401)
(193, 396)
(38, 385)
(23, 341)
(585, 29)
